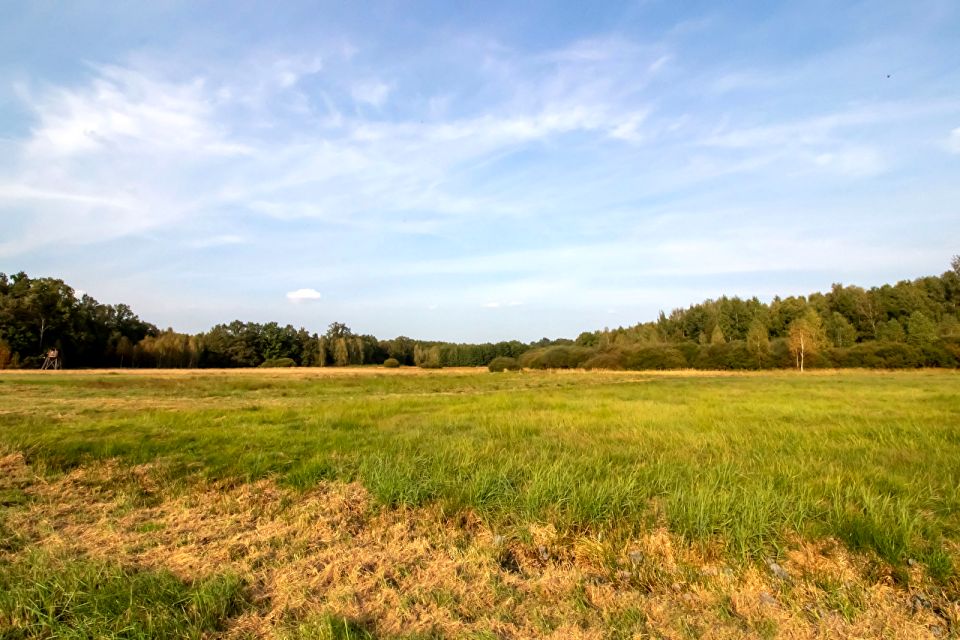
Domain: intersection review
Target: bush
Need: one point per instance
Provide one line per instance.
(562, 357)
(938, 354)
(503, 363)
(611, 361)
(886, 355)
(689, 350)
(655, 356)
(279, 362)
(391, 363)
(780, 356)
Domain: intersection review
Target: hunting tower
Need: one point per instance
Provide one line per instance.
(53, 360)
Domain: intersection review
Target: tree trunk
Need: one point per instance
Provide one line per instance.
(801, 354)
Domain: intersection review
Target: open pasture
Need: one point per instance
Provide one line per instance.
(373, 503)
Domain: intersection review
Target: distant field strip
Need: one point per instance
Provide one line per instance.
(726, 470)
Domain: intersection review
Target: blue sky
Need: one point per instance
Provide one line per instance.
(474, 171)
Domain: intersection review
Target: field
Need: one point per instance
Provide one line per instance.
(359, 503)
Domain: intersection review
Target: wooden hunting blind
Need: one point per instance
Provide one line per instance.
(53, 360)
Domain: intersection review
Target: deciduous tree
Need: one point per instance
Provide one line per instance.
(840, 332)
(805, 335)
(758, 340)
(920, 329)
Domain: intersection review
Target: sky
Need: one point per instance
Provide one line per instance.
(474, 171)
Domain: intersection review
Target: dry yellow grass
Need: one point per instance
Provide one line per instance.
(293, 373)
(402, 571)
(277, 372)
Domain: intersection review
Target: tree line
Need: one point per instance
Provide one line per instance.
(37, 314)
(912, 323)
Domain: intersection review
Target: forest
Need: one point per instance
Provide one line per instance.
(913, 323)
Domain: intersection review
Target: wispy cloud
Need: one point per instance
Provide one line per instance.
(856, 162)
(221, 240)
(953, 141)
(372, 92)
(126, 111)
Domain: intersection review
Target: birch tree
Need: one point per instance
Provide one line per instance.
(805, 336)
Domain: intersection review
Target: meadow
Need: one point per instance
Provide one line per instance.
(362, 502)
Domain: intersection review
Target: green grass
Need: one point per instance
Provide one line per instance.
(327, 628)
(743, 461)
(43, 596)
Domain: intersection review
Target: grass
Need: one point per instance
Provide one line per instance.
(870, 458)
(327, 628)
(741, 467)
(43, 597)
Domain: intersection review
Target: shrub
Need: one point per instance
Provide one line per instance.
(655, 356)
(391, 363)
(612, 361)
(689, 350)
(503, 363)
(279, 362)
(886, 355)
(562, 357)
(938, 354)
(951, 346)
(780, 356)
(528, 359)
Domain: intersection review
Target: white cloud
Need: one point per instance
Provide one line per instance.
(855, 162)
(161, 150)
(372, 92)
(125, 154)
(743, 80)
(659, 63)
(821, 128)
(219, 241)
(629, 129)
(124, 110)
(11, 192)
(289, 70)
(303, 295)
(953, 141)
